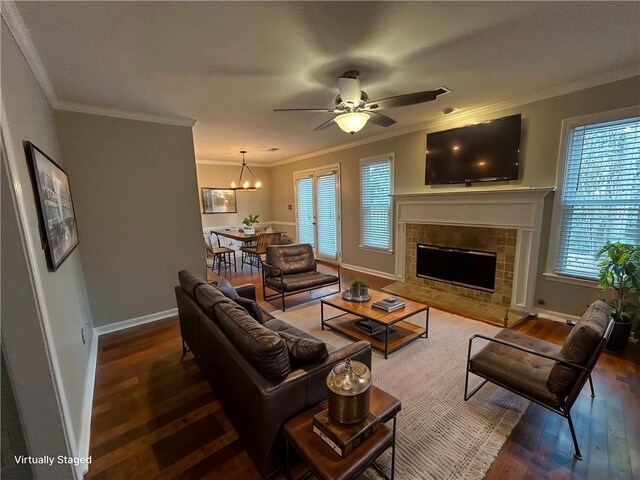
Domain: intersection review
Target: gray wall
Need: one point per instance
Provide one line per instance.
(254, 203)
(12, 442)
(135, 191)
(42, 311)
(542, 125)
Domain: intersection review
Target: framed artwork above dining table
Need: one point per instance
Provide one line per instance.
(218, 200)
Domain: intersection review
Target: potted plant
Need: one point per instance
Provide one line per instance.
(620, 271)
(249, 221)
(359, 289)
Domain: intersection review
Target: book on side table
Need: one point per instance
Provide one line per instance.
(340, 437)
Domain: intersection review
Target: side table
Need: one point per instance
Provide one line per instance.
(326, 464)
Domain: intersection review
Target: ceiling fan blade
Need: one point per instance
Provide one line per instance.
(380, 119)
(324, 125)
(325, 110)
(407, 99)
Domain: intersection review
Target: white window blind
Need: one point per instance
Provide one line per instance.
(375, 182)
(601, 193)
(326, 217)
(304, 202)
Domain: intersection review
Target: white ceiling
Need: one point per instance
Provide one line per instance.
(229, 64)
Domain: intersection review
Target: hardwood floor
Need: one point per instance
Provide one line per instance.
(154, 416)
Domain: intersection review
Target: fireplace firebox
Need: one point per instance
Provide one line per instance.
(467, 268)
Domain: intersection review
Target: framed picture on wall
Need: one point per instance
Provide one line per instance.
(218, 200)
(57, 217)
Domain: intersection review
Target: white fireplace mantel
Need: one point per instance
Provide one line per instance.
(520, 208)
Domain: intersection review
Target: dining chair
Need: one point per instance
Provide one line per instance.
(254, 256)
(222, 256)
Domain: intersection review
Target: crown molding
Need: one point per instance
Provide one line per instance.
(607, 77)
(126, 114)
(237, 163)
(217, 162)
(19, 31)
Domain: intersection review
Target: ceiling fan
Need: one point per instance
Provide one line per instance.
(354, 108)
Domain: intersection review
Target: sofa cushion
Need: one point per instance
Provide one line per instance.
(519, 370)
(277, 325)
(301, 281)
(579, 346)
(208, 297)
(290, 259)
(304, 350)
(252, 308)
(263, 348)
(189, 282)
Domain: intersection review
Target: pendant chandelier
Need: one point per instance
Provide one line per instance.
(246, 185)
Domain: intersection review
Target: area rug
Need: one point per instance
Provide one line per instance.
(439, 435)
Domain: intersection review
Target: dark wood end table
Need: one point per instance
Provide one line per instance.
(326, 464)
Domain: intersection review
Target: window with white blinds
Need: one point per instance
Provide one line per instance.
(304, 205)
(326, 216)
(375, 189)
(601, 193)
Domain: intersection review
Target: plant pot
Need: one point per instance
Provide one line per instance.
(359, 292)
(619, 337)
(249, 230)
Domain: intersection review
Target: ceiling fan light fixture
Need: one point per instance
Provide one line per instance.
(352, 122)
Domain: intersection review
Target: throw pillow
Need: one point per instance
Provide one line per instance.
(252, 307)
(303, 351)
(225, 287)
(249, 305)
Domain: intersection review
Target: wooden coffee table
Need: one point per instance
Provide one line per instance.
(397, 331)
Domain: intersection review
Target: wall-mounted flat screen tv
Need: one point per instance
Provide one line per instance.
(485, 152)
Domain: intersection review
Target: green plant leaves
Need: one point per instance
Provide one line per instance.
(620, 271)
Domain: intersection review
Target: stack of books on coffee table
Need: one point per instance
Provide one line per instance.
(373, 329)
(343, 438)
(390, 304)
(369, 327)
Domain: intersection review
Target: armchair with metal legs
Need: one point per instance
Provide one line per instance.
(540, 371)
(292, 269)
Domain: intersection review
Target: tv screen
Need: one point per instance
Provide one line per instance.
(488, 151)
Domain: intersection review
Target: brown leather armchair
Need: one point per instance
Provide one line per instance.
(545, 373)
(291, 269)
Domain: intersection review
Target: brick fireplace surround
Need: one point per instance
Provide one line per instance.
(497, 240)
(506, 220)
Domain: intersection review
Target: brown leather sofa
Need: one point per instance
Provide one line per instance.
(291, 269)
(248, 366)
(545, 373)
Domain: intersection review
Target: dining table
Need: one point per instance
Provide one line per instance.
(240, 236)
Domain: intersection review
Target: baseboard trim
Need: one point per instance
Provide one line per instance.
(87, 405)
(134, 322)
(370, 271)
(555, 316)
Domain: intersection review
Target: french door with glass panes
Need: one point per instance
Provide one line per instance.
(318, 211)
